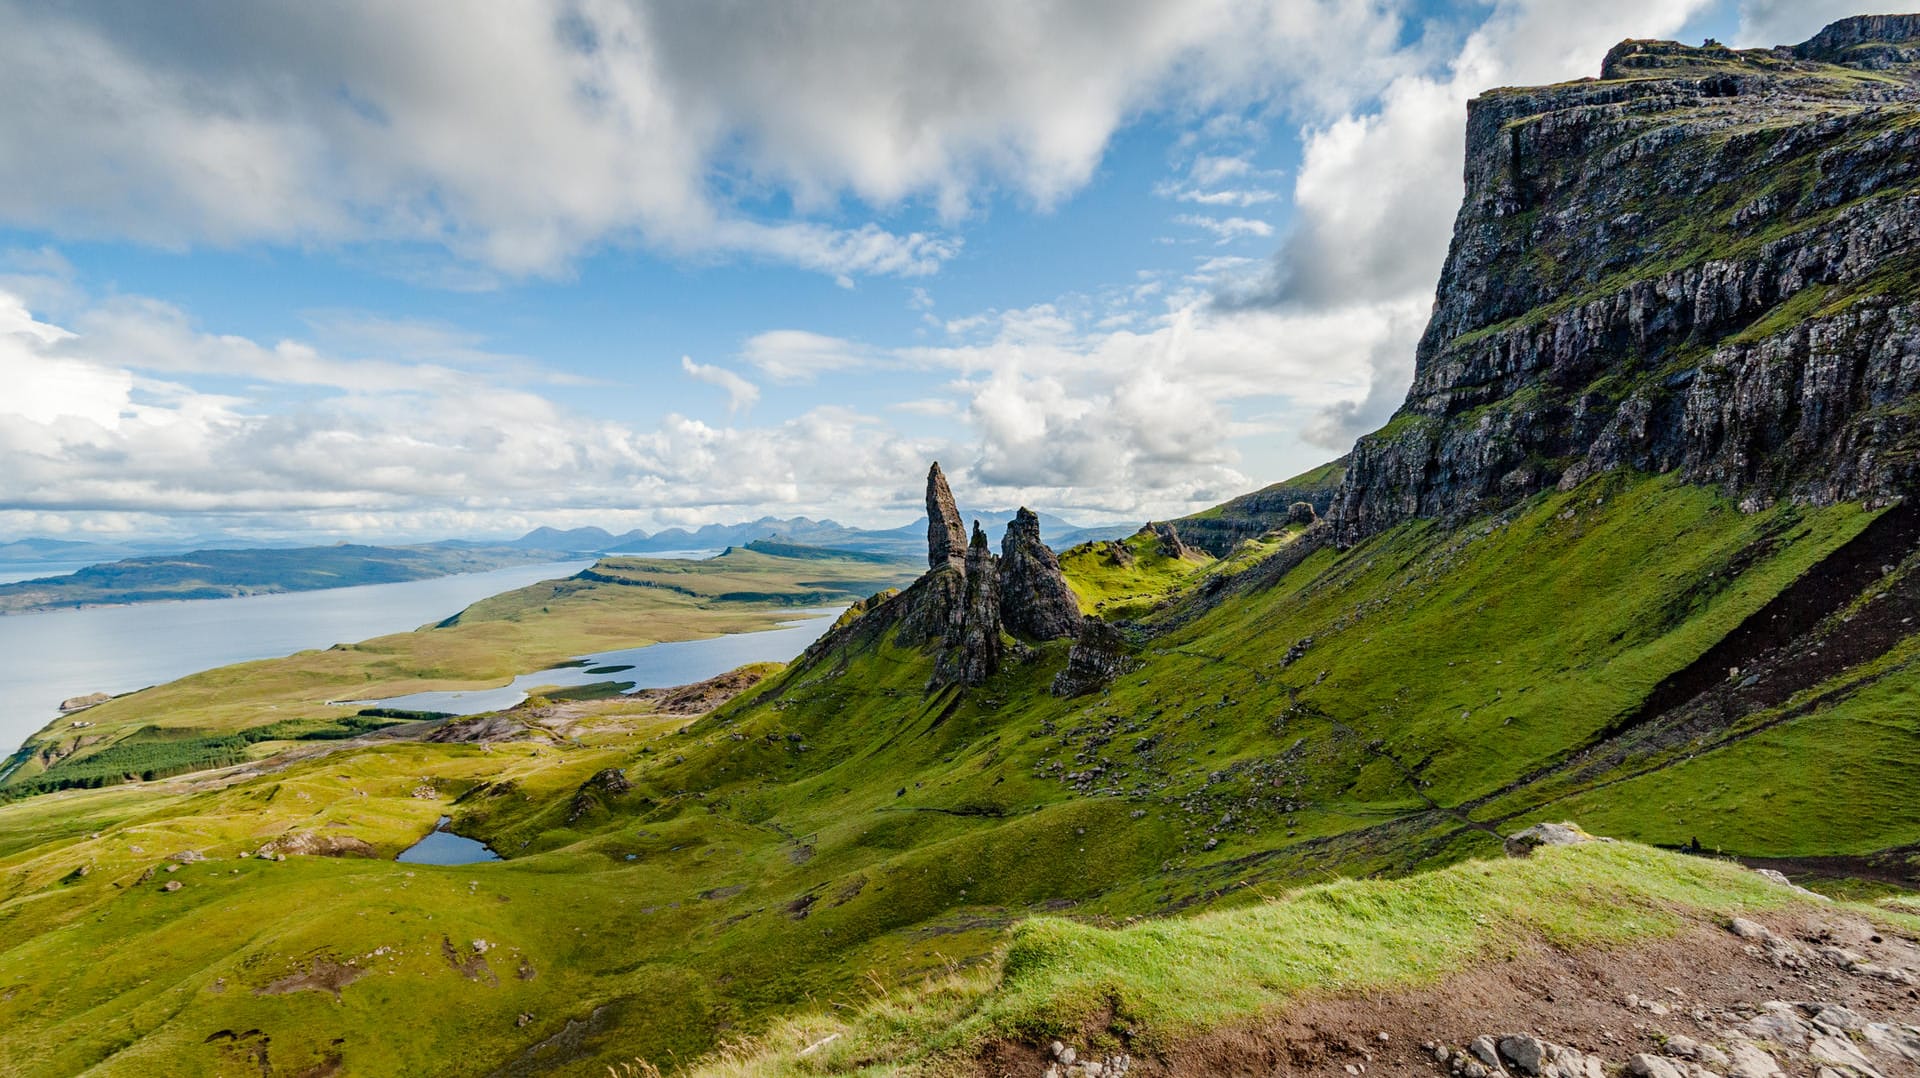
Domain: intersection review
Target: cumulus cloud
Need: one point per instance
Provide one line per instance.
(96, 430)
(796, 355)
(1378, 188)
(549, 127)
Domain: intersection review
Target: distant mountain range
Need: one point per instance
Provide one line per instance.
(134, 573)
(908, 539)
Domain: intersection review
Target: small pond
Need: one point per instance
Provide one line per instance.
(443, 847)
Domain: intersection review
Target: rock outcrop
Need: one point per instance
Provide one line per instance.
(1170, 543)
(946, 535)
(1035, 601)
(1098, 656)
(968, 601)
(970, 648)
(1706, 263)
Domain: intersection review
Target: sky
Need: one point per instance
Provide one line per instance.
(408, 271)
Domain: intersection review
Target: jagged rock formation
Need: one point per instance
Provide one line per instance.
(1035, 601)
(970, 647)
(1707, 262)
(1170, 544)
(946, 535)
(968, 599)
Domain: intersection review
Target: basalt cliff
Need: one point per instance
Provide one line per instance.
(1705, 262)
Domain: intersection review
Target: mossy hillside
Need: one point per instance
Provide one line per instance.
(1167, 979)
(197, 721)
(840, 828)
(1120, 578)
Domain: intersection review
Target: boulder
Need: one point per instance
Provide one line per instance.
(1522, 843)
(1099, 655)
(1301, 513)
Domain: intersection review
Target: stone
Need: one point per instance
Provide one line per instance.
(1099, 655)
(1780, 1028)
(1781, 878)
(1647, 1066)
(1522, 843)
(1840, 1052)
(946, 534)
(1890, 1039)
(1170, 542)
(1745, 1060)
(1749, 930)
(170, 886)
(1301, 513)
(1523, 1053)
(188, 857)
(1485, 1049)
(1682, 1046)
(1035, 601)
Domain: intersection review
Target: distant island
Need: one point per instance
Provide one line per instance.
(231, 573)
(227, 574)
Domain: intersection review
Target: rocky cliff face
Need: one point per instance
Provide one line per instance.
(1706, 262)
(1035, 601)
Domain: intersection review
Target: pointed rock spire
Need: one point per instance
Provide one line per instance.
(1035, 601)
(946, 535)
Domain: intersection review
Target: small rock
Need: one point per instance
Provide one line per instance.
(1056, 1049)
(1682, 1046)
(170, 885)
(1841, 1052)
(1382, 1037)
(523, 1019)
(1647, 1066)
(1747, 1061)
(1749, 930)
(1526, 1054)
(1485, 1050)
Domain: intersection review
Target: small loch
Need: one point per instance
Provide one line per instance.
(443, 847)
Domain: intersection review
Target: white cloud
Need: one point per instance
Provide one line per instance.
(741, 394)
(1377, 190)
(793, 355)
(518, 140)
(1227, 229)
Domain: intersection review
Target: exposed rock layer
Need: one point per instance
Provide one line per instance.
(1035, 601)
(1707, 263)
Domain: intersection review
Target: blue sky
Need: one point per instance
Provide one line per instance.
(391, 271)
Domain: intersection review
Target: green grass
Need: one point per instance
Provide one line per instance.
(1162, 980)
(1123, 578)
(838, 828)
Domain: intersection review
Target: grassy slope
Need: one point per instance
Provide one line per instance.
(1165, 979)
(839, 827)
(638, 601)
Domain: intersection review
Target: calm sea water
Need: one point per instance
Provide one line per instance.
(655, 666)
(47, 658)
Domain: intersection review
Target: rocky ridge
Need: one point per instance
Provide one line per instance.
(1707, 262)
